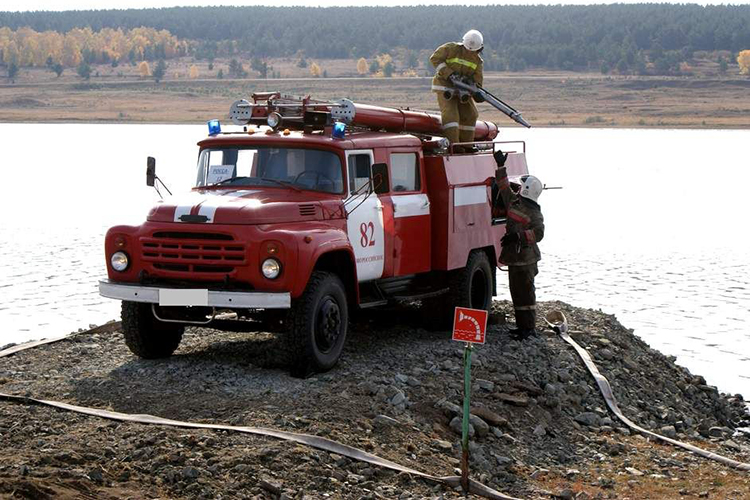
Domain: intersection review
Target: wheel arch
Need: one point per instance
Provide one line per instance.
(341, 263)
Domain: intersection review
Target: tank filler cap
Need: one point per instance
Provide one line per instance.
(241, 112)
(343, 111)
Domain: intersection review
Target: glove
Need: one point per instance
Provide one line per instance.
(500, 158)
(510, 239)
(478, 97)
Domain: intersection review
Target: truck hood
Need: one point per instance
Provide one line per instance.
(246, 206)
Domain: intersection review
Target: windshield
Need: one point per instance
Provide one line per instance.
(311, 169)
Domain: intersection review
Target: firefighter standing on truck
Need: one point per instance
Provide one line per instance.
(458, 60)
(520, 252)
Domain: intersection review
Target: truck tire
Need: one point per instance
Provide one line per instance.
(318, 324)
(470, 286)
(145, 336)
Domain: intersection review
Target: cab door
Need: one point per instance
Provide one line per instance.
(411, 213)
(365, 217)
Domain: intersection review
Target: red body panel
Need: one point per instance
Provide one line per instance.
(459, 188)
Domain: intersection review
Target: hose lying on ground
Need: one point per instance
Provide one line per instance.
(306, 439)
(557, 321)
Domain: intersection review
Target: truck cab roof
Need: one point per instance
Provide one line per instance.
(355, 140)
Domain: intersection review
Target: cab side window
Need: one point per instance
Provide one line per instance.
(405, 172)
(359, 171)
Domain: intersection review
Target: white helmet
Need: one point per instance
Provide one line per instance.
(531, 187)
(473, 40)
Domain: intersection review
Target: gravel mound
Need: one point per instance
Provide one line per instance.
(397, 393)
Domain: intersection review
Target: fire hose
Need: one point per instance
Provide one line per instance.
(557, 321)
(305, 439)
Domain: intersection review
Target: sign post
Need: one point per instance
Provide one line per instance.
(469, 326)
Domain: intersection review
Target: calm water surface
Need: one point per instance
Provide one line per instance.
(650, 226)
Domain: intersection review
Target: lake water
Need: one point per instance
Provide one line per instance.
(649, 227)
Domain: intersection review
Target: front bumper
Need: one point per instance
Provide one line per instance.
(197, 297)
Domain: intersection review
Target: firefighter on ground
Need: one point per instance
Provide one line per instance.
(458, 60)
(520, 252)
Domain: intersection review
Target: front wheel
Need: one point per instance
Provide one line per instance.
(146, 336)
(318, 324)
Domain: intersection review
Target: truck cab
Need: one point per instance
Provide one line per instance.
(306, 223)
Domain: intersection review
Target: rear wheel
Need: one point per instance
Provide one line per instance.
(146, 336)
(318, 325)
(470, 286)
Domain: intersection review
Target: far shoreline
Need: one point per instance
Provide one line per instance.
(546, 99)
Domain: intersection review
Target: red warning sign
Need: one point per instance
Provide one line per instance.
(469, 325)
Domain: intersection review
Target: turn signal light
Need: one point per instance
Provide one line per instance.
(272, 248)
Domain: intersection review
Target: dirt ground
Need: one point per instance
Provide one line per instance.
(546, 99)
(540, 429)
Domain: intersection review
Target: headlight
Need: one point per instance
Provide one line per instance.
(119, 261)
(271, 268)
(274, 120)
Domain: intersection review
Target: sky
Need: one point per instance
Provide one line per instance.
(28, 5)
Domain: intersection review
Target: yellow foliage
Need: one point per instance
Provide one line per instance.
(383, 59)
(194, 72)
(315, 70)
(362, 66)
(411, 72)
(27, 47)
(144, 69)
(10, 53)
(743, 59)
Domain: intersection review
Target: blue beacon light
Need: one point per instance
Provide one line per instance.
(339, 129)
(214, 127)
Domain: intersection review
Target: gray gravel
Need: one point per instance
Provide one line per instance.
(397, 392)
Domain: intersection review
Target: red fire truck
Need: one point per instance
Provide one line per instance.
(307, 212)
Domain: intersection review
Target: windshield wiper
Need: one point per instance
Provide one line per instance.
(282, 183)
(229, 179)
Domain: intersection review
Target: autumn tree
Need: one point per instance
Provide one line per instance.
(383, 65)
(362, 66)
(143, 69)
(194, 73)
(743, 59)
(27, 47)
(315, 70)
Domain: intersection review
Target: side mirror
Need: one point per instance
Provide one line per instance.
(150, 171)
(380, 178)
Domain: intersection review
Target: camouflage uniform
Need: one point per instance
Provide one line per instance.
(524, 217)
(459, 119)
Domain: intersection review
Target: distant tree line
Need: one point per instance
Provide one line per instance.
(623, 38)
